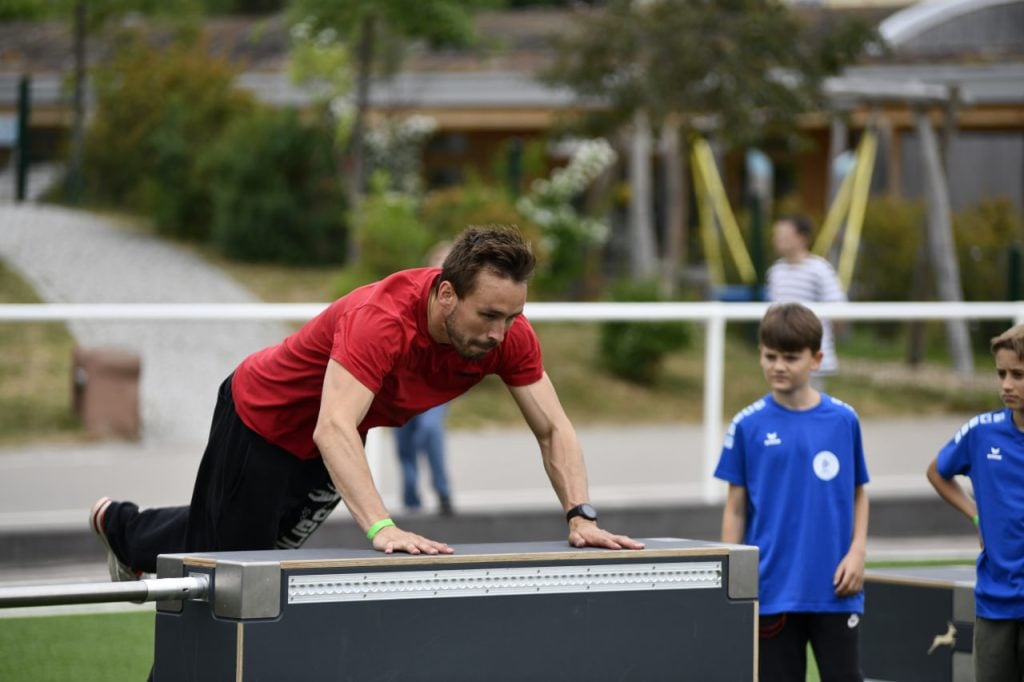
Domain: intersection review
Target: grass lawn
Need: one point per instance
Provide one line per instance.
(35, 373)
(107, 647)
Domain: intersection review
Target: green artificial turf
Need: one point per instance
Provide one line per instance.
(107, 647)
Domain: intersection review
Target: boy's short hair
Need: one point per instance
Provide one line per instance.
(801, 224)
(1011, 339)
(790, 327)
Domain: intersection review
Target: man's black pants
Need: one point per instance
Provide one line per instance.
(249, 494)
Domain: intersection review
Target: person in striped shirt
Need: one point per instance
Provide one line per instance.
(799, 276)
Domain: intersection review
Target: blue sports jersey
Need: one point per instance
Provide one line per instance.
(800, 469)
(990, 449)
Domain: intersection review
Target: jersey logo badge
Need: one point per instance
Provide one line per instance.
(995, 454)
(826, 465)
(772, 439)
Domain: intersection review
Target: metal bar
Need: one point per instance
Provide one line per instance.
(564, 312)
(157, 589)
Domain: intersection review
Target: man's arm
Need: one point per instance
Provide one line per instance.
(849, 575)
(343, 405)
(563, 461)
(734, 516)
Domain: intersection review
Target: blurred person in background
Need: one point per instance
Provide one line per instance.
(799, 276)
(425, 433)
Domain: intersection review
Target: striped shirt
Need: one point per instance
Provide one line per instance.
(810, 280)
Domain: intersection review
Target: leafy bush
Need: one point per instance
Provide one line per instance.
(635, 350)
(156, 110)
(891, 238)
(389, 233)
(276, 195)
(895, 232)
(447, 212)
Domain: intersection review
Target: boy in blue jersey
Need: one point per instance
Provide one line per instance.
(796, 472)
(990, 450)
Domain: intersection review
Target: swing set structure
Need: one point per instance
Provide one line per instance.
(840, 235)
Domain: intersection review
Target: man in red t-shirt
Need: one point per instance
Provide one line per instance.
(288, 432)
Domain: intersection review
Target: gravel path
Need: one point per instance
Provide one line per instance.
(77, 257)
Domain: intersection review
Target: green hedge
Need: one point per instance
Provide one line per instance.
(275, 191)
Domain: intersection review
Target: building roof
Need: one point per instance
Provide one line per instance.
(498, 71)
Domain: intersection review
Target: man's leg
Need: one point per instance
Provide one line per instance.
(835, 639)
(137, 537)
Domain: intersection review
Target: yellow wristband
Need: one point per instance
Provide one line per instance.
(371, 533)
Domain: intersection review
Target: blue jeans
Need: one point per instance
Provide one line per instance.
(423, 433)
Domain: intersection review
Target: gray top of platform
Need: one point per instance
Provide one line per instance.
(468, 553)
(946, 575)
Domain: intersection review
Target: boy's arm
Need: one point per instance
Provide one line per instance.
(951, 491)
(849, 575)
(734, 517)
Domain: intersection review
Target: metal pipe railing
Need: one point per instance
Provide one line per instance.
(715, 316)
(139, 591)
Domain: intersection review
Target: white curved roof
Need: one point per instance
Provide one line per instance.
(916, 19)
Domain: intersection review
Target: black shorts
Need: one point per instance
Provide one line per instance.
(834, 638)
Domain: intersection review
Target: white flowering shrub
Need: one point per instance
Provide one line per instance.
(567, 235)
(396, 148)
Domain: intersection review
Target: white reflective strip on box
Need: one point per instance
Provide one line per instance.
(342, 587)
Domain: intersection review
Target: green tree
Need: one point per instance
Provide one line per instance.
(155, 110)
(90, 16)
(744, 68)
(374, 32)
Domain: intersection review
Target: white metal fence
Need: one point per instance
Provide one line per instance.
(713, 315)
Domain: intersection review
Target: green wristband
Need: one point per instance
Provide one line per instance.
(378, 527)
(975, 519)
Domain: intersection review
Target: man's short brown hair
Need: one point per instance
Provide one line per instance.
(1011, 339)
(790, 327)
(500, 249)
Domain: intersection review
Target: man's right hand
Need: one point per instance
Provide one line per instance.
(394, 539)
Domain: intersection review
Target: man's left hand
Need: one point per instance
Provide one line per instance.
(583, 533)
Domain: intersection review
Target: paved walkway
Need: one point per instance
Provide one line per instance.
(77, 257)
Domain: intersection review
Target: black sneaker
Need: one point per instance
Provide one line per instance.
(119, 571)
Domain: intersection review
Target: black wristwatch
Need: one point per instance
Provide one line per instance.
(585, 510)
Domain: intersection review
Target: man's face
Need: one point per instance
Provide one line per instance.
(1010, 370)
(477, 323)
(788, 371)
(786, 240)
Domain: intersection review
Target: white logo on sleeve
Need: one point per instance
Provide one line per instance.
(826, 465)
(772, 439)
(995, 453)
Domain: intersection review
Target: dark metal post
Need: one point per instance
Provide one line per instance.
(22, 144)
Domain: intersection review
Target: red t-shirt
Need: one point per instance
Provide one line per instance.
(379, 334)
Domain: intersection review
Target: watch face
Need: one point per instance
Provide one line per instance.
(585, 510)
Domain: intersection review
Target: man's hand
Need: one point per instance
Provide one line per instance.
(584, 533)
(394, 539)
(849, 576)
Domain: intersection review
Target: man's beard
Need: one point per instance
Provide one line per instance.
(464, 346)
